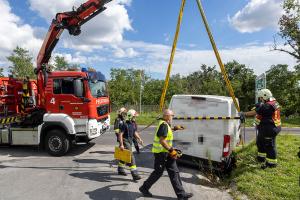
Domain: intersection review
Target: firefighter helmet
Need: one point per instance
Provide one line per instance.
(266, 94)
(122, 110)
(132, 113)
(259, 94)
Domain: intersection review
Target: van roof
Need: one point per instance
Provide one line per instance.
(211, 97)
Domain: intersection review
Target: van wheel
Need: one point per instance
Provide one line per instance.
(57, 143)
(230, 165)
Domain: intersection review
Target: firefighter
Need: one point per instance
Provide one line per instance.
(269, 125)
(120, 120)
(135, 140)
(261, 157)
(165, 156)
(127, 133)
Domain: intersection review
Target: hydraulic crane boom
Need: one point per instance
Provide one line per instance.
(72, 21)
(60, 107)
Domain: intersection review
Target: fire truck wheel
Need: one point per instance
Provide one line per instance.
(57, 143)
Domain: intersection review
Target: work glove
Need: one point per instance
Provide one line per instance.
(242, 117)
(173, 153)
(178, 127)
(179, 153)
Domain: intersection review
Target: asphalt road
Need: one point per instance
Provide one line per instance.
(89, 172)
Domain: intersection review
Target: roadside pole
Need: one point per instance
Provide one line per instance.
(141, 90)
(260, 83)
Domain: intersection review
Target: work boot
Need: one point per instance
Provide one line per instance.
(121, 171)
(135, 175)
(260, 159)
(185, 196)
(266, 165)
(145, 192)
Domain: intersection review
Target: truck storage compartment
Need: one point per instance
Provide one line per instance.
(4, 136)
(24, 136)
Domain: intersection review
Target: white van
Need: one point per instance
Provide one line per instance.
(208, 136)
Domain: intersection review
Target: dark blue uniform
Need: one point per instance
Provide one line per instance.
(267, 132)
(135, 142)
(117, 126)
(128, 129)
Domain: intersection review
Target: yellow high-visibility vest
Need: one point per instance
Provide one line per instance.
(157, 147)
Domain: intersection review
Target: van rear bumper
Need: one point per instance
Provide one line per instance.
(225, 166)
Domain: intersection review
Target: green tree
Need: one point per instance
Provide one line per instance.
(74, 67)
(297, 89)
(206, 81)
(91, 69)
(289, 25)
(1, 72)
(152, 91)
(284, 85)
(177, 85)
(60, 63)
(125, 85)
(21, 63)
(242, 80)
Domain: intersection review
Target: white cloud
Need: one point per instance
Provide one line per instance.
(102, 43)
(258, 58)
(124, 53)
(105, 29)
(155, 57)
(13, 32)
(78, 58)
(257, 15)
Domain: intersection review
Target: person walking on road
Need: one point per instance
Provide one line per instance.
(127, 133)
(119, 121)
(268, 124)
(135, 140)
(165, 157)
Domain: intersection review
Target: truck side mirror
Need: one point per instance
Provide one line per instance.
(78, 88)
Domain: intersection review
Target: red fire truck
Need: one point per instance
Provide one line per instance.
(60, 107)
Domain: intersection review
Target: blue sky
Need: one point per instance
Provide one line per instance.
(139, 34)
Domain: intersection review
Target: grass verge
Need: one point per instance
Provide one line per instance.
(272, 183)
(142, 119)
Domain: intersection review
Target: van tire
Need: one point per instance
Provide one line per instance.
(57, 143)
(230, 165)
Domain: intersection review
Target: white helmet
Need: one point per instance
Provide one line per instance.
(260, 94)
(265, 94)
(122, 110)
(132, 113)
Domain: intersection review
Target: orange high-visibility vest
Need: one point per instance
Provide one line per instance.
(276, 115)
(257, 119)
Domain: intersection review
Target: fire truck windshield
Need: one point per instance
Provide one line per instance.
(98, 88)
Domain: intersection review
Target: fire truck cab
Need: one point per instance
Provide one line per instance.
(77, 110)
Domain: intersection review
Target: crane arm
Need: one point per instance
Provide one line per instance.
(72, 21)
